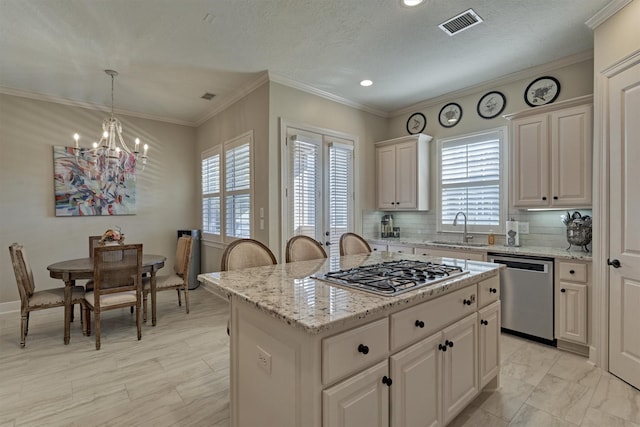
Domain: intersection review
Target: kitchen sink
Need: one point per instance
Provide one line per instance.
(477, 245)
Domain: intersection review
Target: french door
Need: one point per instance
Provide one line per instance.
(318, 190)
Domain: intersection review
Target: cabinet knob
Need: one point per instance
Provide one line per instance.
(572, 272)
(386, 380)
(555, 197)
(493, 290)
(484, 322)
(449, 343)
(466, 302)
(363, 349)
(442, 347)
(563, 290)
(375, 249)
(544, 197)
(420, 324)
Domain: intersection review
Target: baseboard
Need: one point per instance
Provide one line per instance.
(9, 307)
(579, 349)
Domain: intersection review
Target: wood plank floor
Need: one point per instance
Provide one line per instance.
(178, 375)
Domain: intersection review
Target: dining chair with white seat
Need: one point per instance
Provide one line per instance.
(117, 283)
(352, 244)
(178, 281)
(303, 248)
(32, 300)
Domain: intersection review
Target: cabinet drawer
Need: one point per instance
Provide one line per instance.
(401, 249)
(420, 321)
(354, 350)
(573, 271)
(451, 253)
(377, 247)
(488, 291)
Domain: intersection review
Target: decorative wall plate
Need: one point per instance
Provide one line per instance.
(450, 115)
(491, 105)
(416, 123)
(541, 91)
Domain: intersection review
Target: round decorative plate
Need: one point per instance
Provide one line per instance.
(450, 115)
(541, 91)
(416, 123)
(491, 105)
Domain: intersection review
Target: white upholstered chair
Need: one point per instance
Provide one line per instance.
(304, 248)
(246, 253)
(32, 300)
(351, 244)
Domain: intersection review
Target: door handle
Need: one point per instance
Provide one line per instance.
(614, 263)
(327, 243)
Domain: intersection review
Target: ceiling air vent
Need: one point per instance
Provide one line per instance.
(461, 22)
(208, 96)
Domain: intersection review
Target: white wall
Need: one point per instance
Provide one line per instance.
(166, 190)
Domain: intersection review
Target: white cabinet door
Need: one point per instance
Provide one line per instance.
(407, 175)
(416, 389)
(460, 367)
(530, 161)
(571, 154)
(489, 338)
(572, 312)
(386, 176)
(361, 400)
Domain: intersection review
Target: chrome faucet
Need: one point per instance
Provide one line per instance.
(465, 236)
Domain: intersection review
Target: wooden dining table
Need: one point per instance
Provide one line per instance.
(82, 268)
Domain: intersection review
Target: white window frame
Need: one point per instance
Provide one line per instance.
(502, 134)
(222, 150)
(208, 154)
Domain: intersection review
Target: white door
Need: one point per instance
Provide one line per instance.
(318, 193)
(624, 244)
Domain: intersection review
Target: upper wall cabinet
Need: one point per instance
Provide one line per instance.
(551, 152)
(403, 173)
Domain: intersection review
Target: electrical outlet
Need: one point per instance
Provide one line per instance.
(523, 227)
(264, 360)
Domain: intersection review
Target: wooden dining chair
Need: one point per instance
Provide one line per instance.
(303, 248)
(117, 283)
(178, 281)
(246, 253)
(352, 244)
(32, 300)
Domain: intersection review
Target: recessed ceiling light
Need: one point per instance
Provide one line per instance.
(411, 3)
(366, 83)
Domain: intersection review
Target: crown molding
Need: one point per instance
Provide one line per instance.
(232, 98)
(606, 12)
(323, 94)
(90, 106)
(500, 81)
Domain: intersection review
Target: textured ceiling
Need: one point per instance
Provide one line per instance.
(168, 54)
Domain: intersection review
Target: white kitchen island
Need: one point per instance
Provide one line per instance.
(307, 353)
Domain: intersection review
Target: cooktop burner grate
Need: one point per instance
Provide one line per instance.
(392, 277)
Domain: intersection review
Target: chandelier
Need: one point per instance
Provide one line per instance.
(111, 159)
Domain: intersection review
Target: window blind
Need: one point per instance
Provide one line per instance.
(305, 185)
(210, 171)
(237, 171)
(470, 180)
(340, 192)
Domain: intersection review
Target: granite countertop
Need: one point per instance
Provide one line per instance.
(289, 293)
(560, 253)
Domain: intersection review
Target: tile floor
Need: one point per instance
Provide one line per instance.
(178, 375)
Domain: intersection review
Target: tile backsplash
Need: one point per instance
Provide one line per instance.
(545, 227)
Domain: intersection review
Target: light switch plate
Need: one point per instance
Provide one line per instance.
(523, 227)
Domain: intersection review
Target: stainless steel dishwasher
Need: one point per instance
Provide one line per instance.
(526, 295)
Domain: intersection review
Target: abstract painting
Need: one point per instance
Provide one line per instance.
(83, 188)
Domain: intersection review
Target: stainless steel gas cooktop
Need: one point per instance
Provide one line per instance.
(393, 277)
